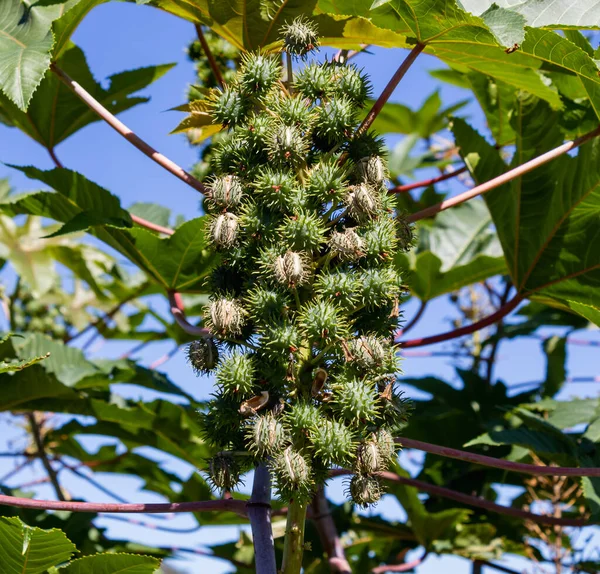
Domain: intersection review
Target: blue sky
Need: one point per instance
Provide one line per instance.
(121, 36)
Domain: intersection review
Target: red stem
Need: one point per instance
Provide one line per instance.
(472, 500)
(504, 178)
(497, 462)
(468, 329)
(389, 89)
(179, 315)
(209, 56)
(152, 226)
(129, 135)
(428, 182)
(414, 320)
(237, 506)
(55, 159)
(399, 567)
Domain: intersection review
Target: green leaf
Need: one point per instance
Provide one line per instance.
(20, 365)
(113, 564)
(152, 212)
(55, 112)
(457, 249)
(79, 203)
(25, 550)
(547, 219)
(555, 349)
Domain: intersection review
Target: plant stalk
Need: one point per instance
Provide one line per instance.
(259, 513)
(293, 548)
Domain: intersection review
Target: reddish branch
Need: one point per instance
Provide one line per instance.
(128, 134)
(427, 182)
(209, 56)
(152, 226)
(399, 567)
(505, 177)
(468, 329)
(179, 315)
(414, 320)
(473, 500)
(497, 462)
(237, 506)
(321, 515)
(389, 89)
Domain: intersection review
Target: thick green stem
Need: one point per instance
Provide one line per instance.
(294, 538)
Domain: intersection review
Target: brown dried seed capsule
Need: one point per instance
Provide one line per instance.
(363, 201)
(227, 316)
(372, 169)
(365, 489)
(318, 382)
(291, 269)
(251, 406)
(226, 192)
(368, 458)
(224, 229)
(347, 244)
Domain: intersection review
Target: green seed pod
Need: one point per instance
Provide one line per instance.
(267, 435)
(380, 239)
(287, 145)
(335, 121)
(300, 418)
(323, 323)
(203, 356)
(224, 230)
(292, 475)
(236, 374)
(314, 81)
(294, 111)
(229, 107)
(365, 145)
(368, 458)
(281, 337)
(278, 189)
(369, 352)
(386, 446)
(339, 286)
(405, 233)
(333, 442)
(304, 231)
(226, 316)
(224, 472)
(267, 305)
(379, 286)
(291, 269)
(258, 73)
(355, 400)
(300, 37)
(222, 423)
(363, 202)
(326, 182)
(372, 170)
(225, 192)
(350, 82)
(347, 245)
(364, 490)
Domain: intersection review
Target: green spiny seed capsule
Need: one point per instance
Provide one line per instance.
(350, 82)
(224, 472)
(203, 356)
(224, 230)
(327, 181)
(363, 202)
(268, 305)
(333, 442)
(236, 374)
(226, 316)
(300, 37)
(292, 474)
(347, 245)
(404, 233)
(267, 435)
(226, 192)
(338, 286)
(368, 458)
(380, 239)
(364, 490)
(294, 111)
(291, 269)
(323, 322)
(304, 231)
(369, 352)
(355, 400)
(379, 286)
(314, 81)
(258, 73)
(287, 145)
(301, 418)
(336, 119)
(229, 107)
(372, 170)
(281, 337)
(386, 446)
(278, 189)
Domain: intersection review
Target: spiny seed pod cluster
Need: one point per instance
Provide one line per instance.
(304, 301)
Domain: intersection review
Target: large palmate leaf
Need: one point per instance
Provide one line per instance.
(55, 112)
(179, 262)
(456, 249)
(545, 13)
(25, 550)
(547, 220)
(467, 43)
